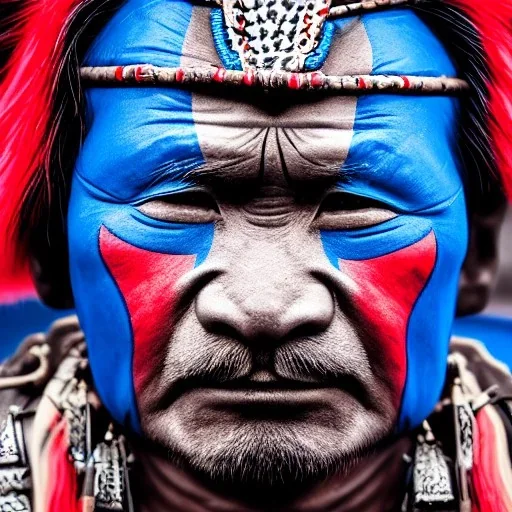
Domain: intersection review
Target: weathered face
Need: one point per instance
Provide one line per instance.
(271, 282)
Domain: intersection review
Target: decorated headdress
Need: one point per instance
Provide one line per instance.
(277, 44)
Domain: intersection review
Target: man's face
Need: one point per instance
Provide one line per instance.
(267, 284)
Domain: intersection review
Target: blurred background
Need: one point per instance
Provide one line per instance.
(501, 303)
(493, 326)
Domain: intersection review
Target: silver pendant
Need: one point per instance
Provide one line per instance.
(14, 503)
(74, 409)
(464, 432)
(12, 449)
(109, 476)
(15, 481)
(431, 476)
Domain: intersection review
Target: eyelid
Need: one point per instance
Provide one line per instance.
(359, 212)
(169, 194)
(366, 201)
(365, 218)
(191, 206)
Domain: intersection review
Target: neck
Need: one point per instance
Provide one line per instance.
(375, 484)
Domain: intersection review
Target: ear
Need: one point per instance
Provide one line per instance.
(481, 263)
(50, 267)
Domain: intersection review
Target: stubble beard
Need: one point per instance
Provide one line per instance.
(265, 459)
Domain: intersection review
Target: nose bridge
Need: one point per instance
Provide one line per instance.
(269, 278)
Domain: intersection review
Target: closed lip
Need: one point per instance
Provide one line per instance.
(268, 386)
(269, 402)
(275, 391)
(284, 392)
(281, 391)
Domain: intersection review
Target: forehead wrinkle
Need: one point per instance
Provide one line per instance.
(400, 169)
(137, 135)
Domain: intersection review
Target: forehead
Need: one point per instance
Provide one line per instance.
(143, 141)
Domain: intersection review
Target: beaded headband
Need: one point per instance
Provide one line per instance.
(276, 45)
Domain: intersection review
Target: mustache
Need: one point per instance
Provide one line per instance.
(218, 362)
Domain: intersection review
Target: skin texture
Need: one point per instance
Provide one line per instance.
(264, 268)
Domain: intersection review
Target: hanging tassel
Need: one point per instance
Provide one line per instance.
(492, 472)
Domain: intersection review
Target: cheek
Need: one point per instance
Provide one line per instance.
(385, 292)
(147, 282)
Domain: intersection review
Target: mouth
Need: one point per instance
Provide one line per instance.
(264, 382)
(263, 395)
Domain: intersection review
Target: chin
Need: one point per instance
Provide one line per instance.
(267, 441)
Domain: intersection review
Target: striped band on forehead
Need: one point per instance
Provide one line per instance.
(145, 74)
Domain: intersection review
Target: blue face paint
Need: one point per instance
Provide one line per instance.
(403, 154)
(140, 144)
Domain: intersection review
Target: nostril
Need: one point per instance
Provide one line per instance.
(221, 328)
(310, 315)
(306, 330)
(218, 314)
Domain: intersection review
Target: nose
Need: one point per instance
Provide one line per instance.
(265, 302)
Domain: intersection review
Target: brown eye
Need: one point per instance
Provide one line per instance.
(188, 207)
(340, 210)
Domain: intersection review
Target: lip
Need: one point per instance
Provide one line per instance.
(269, 385)
(250, 392)
(274, 392)
(269, 396)
(272, 404)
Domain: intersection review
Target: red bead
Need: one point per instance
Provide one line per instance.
(138, 74)
(317, 79)
(219, 75)
(180, 75)
(407, 83)
(249, 77)
(119, 73)
(361, 83)
(323, 12)
(294, 81)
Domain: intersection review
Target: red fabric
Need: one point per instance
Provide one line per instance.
(147, 282)
(491, 493)
(62, 479)
(26, 98)
(493, 20)
(385, 292)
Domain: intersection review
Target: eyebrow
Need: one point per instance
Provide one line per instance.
(220, 175)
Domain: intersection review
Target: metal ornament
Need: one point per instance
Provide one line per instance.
(15, 481)
(14, 502)
(109, 476)
(10, 450)
(74, 406)
(277, 34)
(432, 479)
(464, 419)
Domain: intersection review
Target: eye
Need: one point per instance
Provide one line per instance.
(340, 210)
(192, 206)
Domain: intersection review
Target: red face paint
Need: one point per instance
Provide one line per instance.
(386, 290)
(147, 282)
